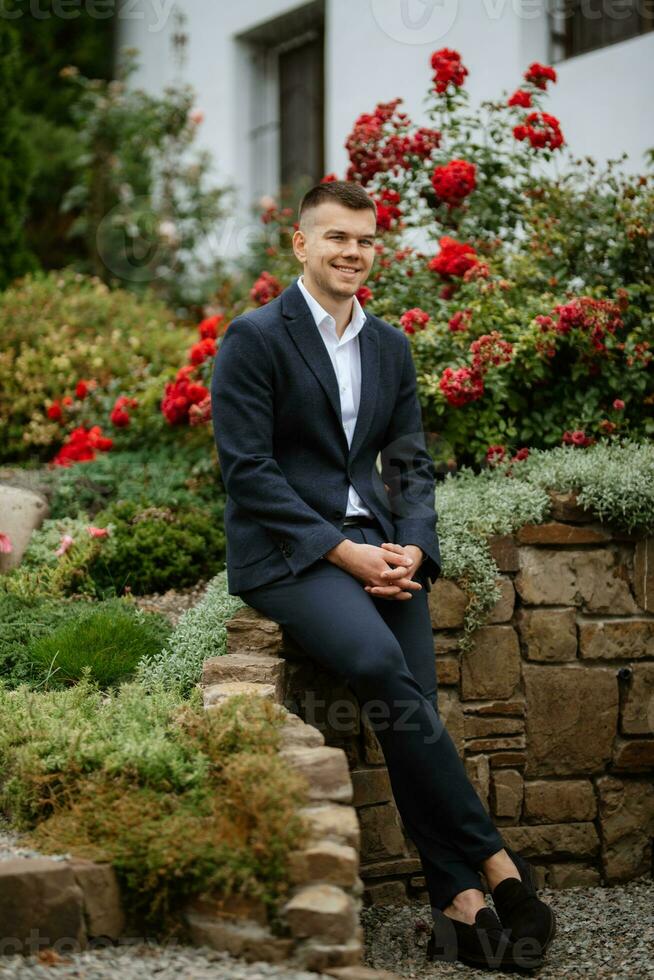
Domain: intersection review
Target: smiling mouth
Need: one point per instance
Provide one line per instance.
(347, 270)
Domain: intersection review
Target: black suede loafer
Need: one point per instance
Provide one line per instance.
(520, 910)
(486, 944)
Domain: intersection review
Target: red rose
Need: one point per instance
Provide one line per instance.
(521, 98)
(539, 75)
(54, 412)
(448, 69)
(454, 258)
(119, 418)
(454, 181)
(414, 318)
(81, 389)
(363, 294)
(209, 326)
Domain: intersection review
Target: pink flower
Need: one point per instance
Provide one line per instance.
(196, 116)
(6, 546)
(618, 404)
(98, 532)
(66, 543)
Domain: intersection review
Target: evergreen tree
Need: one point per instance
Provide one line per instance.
(16, 164)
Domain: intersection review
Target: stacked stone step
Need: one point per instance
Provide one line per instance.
(321, 914)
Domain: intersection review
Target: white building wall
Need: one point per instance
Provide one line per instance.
(377, 50)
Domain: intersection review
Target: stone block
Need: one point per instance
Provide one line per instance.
(637, 715)
(506, 793)
(504, 551)
(381, 833)
(627, 822)
(361, 973)
(516, 760)
(566, 507)
(634, 755)
(248, 940)
(396, 866)
(572, 719)
(333, 821)
(503, 743)
(595, 580)
(559, 800)
(447, 670)
(515, 708)
(243, 667)
(325, 769)
(250, 632)
(372, 750)
(491, 668)
(478, 771)
(297, 733)
(40, 894)
(447, 604)
(556, 840)
(371, 786)
(572, 875)
(644, 573)
(321, 911)
(502, 611)
(616, 639)
(554, 532)
(386, 893)
(215, 695)
(320, 956)
(23, 511)
(485, 726)
(101, 901)
(548, 634)
(325, 861)
(230, 908)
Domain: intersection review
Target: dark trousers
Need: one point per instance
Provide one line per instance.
(384, 649)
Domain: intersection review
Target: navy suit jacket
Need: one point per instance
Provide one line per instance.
(283, 453)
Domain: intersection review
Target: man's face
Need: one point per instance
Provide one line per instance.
(336, 246)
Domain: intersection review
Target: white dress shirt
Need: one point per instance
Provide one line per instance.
(345, 356)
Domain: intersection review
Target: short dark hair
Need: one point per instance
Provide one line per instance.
(346, 192)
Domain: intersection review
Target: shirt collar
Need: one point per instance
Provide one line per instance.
(319, 313)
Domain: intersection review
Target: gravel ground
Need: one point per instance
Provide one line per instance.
(174, 602)
(602, 933)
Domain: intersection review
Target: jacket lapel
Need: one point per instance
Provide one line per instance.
(306, 336)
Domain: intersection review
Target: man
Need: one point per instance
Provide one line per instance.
(307, 393)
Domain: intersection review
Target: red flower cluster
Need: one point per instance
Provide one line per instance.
(329, 179)
(181, 394)
(388, 211)
(461, 386)
(460, 321)
(448, 69)
(495, 454)
(454, 258)
(55, 411)
(453, 181)
(577, 438)
(363, 294)
(539, 75)
(119, 417)
(414, 318)
(489, 350)
(199, 352)
(266, 287)
(81, 446)
(541, 129)
(595, 317)
(521, 98)
(209, 326)
(379, 143)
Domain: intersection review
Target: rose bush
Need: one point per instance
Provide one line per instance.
(525, 286)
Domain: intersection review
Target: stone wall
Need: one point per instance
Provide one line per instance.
(552, 710)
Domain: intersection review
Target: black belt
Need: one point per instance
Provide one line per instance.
(360, 521)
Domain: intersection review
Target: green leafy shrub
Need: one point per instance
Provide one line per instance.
(60, 328)
(44, 573)
(159, 476)
(200, 633)
(180, 800)
(156, 548)
(110, 640)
